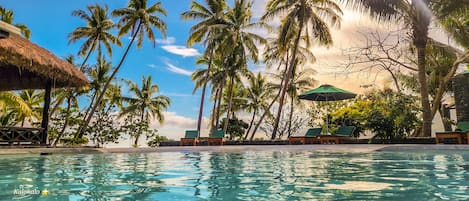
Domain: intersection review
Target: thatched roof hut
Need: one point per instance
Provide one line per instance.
(25, 65)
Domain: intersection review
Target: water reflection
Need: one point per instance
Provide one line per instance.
(264, 175)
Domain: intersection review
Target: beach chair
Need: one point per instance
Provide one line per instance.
(309, 138)
(216, 137)
(190, 138)
(344, 132)
(461, 134)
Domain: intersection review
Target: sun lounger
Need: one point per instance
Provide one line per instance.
(461, 134)
(216, 137)
(308, 138)
(190, 138)
(342, 133)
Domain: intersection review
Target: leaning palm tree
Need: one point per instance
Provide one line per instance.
(139, 20)
(7, 16)
(97, 32)
(417, 17)
(210, 17)
(145, 103)
(308, 19)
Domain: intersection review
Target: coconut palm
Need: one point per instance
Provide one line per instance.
(7, 16)
(139, 19)
(308, 19)
(11, 106)
(216, 78)
(145, 103)
(32, 98)
(239, 44)
(210, 17)
(258, 95)
(96, 32)
(417, 17)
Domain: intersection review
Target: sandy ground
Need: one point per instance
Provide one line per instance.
(237, 148)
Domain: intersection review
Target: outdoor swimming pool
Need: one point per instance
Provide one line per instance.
(249, 175)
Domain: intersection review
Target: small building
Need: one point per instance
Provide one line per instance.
(25, 65)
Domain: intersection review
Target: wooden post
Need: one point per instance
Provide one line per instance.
(45, 112)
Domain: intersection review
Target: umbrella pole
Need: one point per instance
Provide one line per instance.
(327, 117)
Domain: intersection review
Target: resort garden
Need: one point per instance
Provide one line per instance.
(112, 107)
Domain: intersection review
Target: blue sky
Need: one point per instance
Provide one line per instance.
(169, 63)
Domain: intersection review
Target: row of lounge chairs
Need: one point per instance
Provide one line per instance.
(313, 136)
(191, 138)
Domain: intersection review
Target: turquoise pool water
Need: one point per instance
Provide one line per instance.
(261, 175)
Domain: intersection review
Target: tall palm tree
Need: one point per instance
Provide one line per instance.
(138, 19)
(216, 78)
(7, 16)
(239, 44)
(258, 95)
(97, 32)
(308, 19)
(417, 17)
(209, 17)
(145, 103)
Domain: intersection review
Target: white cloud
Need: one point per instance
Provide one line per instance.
(181, 50)
(178, 70)
(165, 41)
(175, 125)
(151, 65)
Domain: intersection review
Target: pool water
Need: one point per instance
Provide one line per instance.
(250, 175)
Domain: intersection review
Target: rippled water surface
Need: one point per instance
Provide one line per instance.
(262, 175)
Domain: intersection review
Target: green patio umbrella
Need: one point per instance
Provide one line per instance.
(327, 92)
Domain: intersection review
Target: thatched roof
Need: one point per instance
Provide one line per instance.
(25, 65)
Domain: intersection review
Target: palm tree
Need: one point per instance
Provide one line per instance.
(12, 105)
(239, 45)
(210, 16)
(417, 17)
(216, 78)
(308, 19)
(33, 99)
(145, 103)
(7, 16)
(139, 20)
(96, 32)
(258, 94)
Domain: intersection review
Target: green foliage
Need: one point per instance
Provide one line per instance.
(105, 128)
(236, 128)
(157, 139)
(386, 113)
(74, 141)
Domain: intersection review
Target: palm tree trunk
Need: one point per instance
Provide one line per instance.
(101, 95)
(287, 80)
(291, 116)
(425, 101)
(214, 108)
(137, 135)
(250, 124)
(230, 101)
(219, 103)
(202, 99)
(67, 118)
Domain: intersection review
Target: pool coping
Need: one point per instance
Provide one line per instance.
(237, 148)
